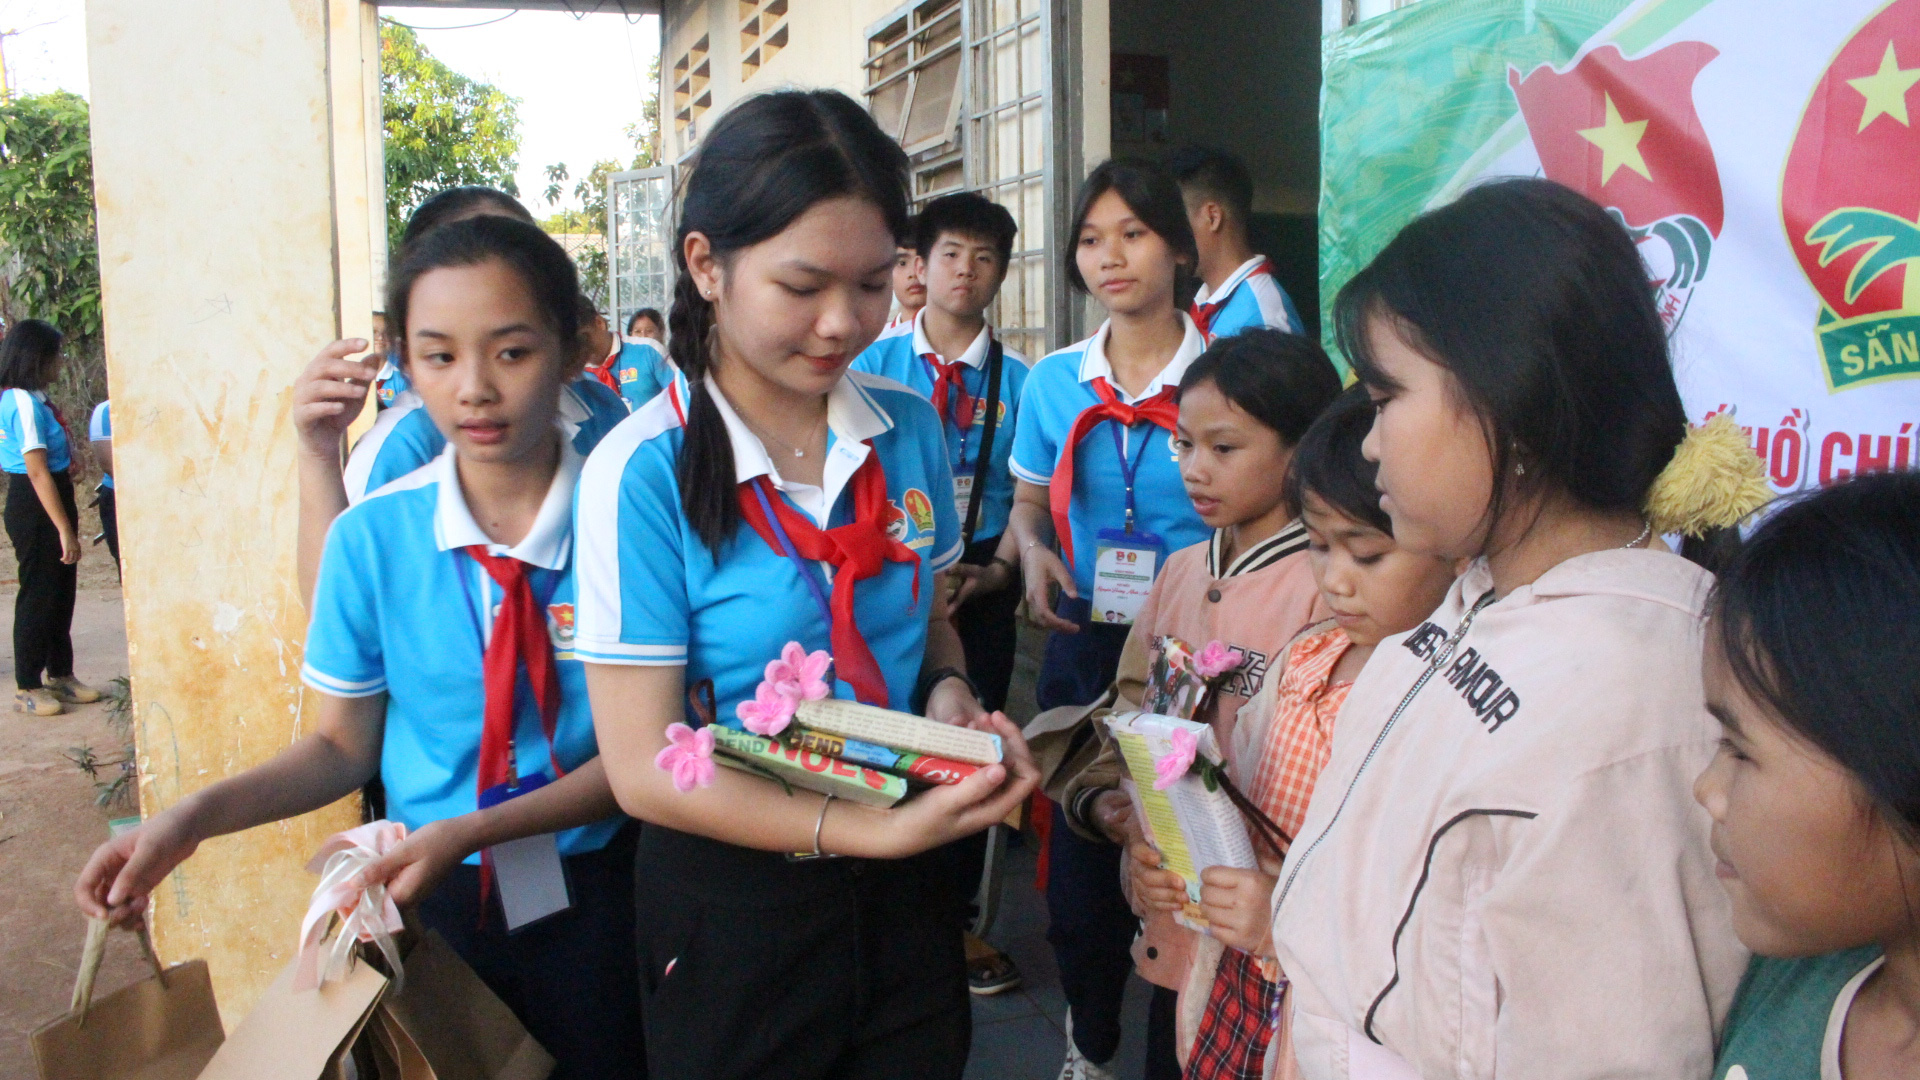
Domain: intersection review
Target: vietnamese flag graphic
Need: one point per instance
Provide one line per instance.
(1625, 134)
(1850, 197)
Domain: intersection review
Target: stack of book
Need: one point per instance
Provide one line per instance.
(874, 757)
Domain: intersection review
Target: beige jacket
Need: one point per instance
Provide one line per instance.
(1503, 872)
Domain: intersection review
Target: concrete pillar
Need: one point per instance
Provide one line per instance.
(232, 170)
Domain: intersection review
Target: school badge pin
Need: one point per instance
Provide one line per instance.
(1850, 201)
(560, 625)
(896, 521)
(1625, 134)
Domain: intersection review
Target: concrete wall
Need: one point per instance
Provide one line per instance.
(217, 159)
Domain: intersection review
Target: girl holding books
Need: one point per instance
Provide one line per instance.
(1502, 862)
(1374, 589)
(1244, 406)
(786, 499)
(433, 595)
(1815, 792)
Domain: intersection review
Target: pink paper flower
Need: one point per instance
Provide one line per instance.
(1168, 770)
(770, 711)
(800, 674)
(688, 756)
(1216, 660)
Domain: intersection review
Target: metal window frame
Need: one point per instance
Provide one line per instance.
(916, 28)
(617, 301)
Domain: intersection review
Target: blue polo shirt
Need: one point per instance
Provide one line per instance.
(100, 429)
(405, 438)
(652, 593)
(899, 355)
(27, 423)
(1253, 298)
(1058, 390)
(642, 370)
(399, 609)
(390, 382)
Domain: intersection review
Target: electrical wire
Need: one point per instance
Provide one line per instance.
(462, 26)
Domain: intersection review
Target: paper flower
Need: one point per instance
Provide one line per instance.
(1168, 770)
(800, 674)
(770, 711)
(1216, 660)
(688, 756)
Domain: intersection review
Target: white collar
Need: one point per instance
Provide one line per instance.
(975, 355)
(547, 544)
(853, 417)
(1233, 281)
(1094, 365)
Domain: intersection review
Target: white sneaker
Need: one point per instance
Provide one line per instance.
(1077, 1067)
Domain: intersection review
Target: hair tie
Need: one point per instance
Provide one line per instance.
(1713, 482)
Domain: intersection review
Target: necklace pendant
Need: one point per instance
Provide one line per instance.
(799, 453)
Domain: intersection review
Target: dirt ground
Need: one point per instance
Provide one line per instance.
(49, 823)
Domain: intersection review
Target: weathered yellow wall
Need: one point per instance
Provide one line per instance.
(214, 165)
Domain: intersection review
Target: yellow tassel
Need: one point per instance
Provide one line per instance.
(1713, 482)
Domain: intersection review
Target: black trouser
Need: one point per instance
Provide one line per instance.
(754, 966)
(989, 630)
(570, 978)
(1089, 924)
(110, 523)
(43, 611)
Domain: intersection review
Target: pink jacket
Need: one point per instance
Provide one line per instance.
(1503, 872)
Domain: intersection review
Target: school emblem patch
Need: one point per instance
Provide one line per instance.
(920, 509)
(560, 625)
(1850, 201)
(1625, 134)
(896, 521)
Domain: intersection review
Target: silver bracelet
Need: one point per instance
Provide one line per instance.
(820, 823)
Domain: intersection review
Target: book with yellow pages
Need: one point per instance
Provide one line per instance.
(1192, 825)
(900, 731)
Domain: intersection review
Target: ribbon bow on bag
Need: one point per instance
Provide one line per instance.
(367, 913)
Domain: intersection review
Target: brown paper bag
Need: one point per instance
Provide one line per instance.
(445, 1021)
(300, 1034)
(161, 1028)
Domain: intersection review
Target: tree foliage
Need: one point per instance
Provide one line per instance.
(442, 128)
(591, 190)
(46, 212)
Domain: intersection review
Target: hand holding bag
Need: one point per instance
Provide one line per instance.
(164, 1027)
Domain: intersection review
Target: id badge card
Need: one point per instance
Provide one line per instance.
(1123, 568)
(528, 872)
(962, 495)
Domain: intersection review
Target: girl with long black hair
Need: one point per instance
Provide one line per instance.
(712, 530)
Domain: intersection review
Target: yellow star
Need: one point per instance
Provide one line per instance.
(1619, 143)
(1885, 90)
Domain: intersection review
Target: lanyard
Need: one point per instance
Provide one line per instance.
(799, 564)
(1128, 472)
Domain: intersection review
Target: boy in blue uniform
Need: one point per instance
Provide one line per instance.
(948, 353)
(638, 370)
(433, 597)
(1238, 288)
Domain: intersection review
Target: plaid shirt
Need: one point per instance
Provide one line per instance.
(1300, 739)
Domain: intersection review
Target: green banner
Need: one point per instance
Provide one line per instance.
(1411, 99)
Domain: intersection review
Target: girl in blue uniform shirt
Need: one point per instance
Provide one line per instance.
(42, 522)
(1099, 476)
(434, 596)
(404, 437)
(793, 501)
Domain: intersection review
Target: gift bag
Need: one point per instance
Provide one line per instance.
(351, 1004)
(445, 1024)
(161, 1028)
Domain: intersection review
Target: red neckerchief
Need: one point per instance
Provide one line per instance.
(856, 551)
(519, 637)
(1203, 314)
(949, 394)
(1159, 410)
